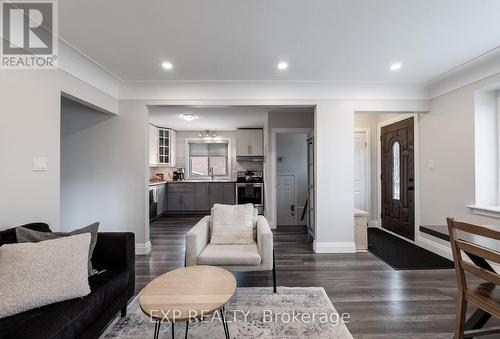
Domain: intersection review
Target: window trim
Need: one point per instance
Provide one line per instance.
(487, 211)
(486, 113)
(217, 140)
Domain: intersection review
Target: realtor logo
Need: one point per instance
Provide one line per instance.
(29, 39)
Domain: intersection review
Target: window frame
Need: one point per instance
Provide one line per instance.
(486, 146)
(208, 141)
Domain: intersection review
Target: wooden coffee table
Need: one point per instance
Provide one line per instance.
(186, 294)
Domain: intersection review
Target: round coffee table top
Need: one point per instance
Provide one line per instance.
(187, 293)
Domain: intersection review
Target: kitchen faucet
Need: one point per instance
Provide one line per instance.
(211, 172)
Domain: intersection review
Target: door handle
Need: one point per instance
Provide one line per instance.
(292, 208)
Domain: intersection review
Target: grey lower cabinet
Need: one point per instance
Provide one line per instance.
(222, 193)
(181, 197)
(202, 196)
(174, 201)
(162, 195)
(199, 197)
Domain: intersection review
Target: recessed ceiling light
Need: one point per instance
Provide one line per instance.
(282, 65)
(189, 116)
(167, 65)
(396, 66)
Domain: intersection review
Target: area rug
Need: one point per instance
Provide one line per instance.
(293, 312)
(402, 255)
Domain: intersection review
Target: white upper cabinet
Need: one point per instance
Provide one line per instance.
(153, 145)
(161, 146)
(249, 142)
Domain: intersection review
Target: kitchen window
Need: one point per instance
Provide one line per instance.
(207, 158)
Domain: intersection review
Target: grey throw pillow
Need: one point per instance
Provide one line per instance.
(27, 235)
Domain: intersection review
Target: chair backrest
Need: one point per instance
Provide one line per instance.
(458, 245)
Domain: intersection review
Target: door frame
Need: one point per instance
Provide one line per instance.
(368, 174)
(274, 166)
(416, 168)
(289, 174)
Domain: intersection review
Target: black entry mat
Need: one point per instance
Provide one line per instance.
(402, 255)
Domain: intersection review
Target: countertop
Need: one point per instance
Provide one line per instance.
(154, 183)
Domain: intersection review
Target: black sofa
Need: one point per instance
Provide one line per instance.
(85, 317)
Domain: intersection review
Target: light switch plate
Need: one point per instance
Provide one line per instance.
(430, 165)
(39, 164)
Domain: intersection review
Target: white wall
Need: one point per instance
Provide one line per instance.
(102, 169)
(291, 152)
(29, 127)
(334, 154)
(447, 138)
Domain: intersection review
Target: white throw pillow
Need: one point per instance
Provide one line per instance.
(232, 224)
(37, 274)
(254, 221)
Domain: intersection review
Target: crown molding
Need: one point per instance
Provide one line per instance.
(83, 67)
(480, 68)
(298, 91)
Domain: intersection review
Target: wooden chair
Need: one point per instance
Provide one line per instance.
(485, 296)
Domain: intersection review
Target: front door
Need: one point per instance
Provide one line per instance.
(286, 200)
(397, 176)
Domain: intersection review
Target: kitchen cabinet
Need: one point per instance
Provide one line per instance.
(199, 196)
(174, 201)
(181, 197)
(153, 145)
(202, 196)
(161, 146)
(222, 193)
(249, 142)
(162, 195)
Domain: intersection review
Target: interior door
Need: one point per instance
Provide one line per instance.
(397, 178)
(360, 170)
(286, 200)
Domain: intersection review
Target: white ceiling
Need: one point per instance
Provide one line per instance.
(220, 118)
(241, 40)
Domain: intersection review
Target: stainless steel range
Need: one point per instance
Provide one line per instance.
(250, 189)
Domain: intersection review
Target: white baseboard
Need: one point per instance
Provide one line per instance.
(143, 248)
(373, 223)
(435, 247)
(334, 247)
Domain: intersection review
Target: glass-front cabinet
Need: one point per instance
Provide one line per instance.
(161, 146)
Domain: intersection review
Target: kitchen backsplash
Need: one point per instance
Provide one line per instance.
(181, 155)
(166, 171)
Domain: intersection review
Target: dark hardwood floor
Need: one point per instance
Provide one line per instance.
(382, 302)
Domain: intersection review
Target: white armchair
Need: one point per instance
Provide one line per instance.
(258, 256)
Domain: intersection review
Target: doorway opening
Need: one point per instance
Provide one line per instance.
(291, 178)
(386, 171)
(85, 167)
